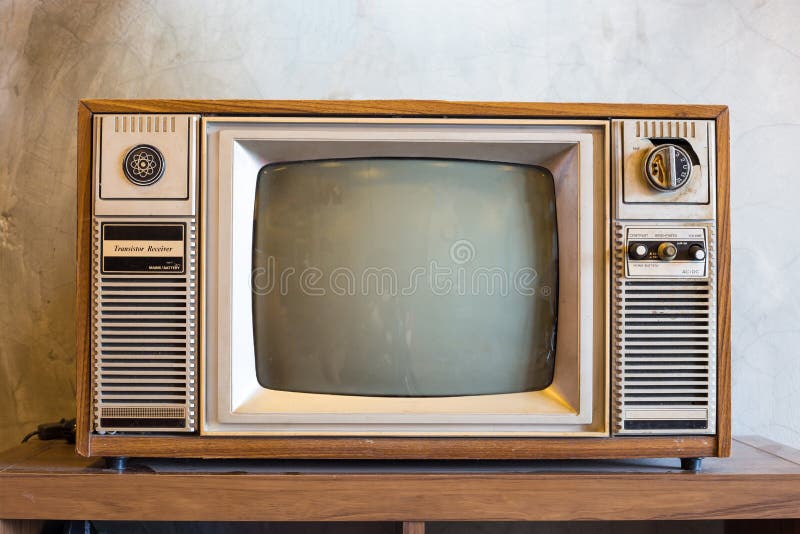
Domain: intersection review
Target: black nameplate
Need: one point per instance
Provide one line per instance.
(143, 248)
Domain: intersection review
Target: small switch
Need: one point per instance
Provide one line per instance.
(638, 251)
(697, 253)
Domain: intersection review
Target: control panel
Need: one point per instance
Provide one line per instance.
(664, 346)
(666, 252)
(665, 170)
(145, 165)
(144, 317)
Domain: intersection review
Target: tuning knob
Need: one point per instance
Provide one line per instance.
(667, 167)
(697, 253)
(667, 251)
(637, 251)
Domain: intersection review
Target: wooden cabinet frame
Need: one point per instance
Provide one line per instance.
(89, 444)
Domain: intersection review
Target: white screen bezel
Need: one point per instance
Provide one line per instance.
(232, 401)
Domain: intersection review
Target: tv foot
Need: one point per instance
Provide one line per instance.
(117, 463)
(691, 464)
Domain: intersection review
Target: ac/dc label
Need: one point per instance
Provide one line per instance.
(143, 248)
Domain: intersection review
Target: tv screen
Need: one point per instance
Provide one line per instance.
(404, 277)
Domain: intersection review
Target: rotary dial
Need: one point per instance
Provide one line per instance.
(667, 167)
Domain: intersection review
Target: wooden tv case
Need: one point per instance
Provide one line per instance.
(90, 444)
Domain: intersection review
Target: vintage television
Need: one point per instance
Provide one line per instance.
(402, 280)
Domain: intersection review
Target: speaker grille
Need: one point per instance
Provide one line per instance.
(144, 347)
(147, 412)
(664, 352)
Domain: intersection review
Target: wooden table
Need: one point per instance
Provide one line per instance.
(47, 480)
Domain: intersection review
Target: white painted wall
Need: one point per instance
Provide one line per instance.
(745, 54)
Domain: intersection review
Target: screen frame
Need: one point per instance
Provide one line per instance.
(227, 405)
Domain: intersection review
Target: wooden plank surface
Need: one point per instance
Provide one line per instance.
(49, 481)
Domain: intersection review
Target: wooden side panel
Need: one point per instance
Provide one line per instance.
(723, 286)
(82, 283)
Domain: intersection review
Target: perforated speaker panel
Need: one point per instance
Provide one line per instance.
(144, 333)
(664, 350)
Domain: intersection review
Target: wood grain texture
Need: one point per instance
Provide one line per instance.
(22, 455)
(403, 448)
(753, 484)
(723, 286)
(83, 262)
(407, 108)
(403, 497)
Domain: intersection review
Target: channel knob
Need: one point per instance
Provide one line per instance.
(667, 167)
(638, 251)
(697, 253)
(667, 251)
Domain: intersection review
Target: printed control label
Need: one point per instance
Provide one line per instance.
(653, 267)
(143, 248)
(667, 234)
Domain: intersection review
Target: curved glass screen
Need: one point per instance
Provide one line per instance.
(405, 277)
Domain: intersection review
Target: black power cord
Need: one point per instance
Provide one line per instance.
(64, 429)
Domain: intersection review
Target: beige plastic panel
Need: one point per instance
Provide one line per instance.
(575, 152)
(174, 135)
(665, 351)
(636, 199)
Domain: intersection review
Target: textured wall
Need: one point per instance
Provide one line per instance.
(742, 53)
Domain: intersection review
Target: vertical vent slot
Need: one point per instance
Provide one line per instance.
(144, 123)
(665, 129)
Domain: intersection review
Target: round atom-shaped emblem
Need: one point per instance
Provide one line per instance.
(143, 165)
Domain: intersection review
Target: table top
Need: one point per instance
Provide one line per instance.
(47, 480)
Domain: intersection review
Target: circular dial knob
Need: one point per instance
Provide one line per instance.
(143, 165)
(667, 251)
(637, 251)
(697, 253)
(667, 167)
